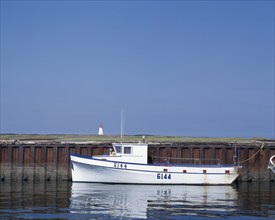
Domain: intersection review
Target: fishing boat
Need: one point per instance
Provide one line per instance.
(271, 164)
(128, 163)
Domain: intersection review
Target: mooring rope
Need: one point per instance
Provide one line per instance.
(258, 151)
(250, 167)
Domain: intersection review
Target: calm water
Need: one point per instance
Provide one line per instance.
(66, 200)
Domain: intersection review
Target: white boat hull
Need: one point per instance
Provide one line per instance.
(89, 169)
(271, 164)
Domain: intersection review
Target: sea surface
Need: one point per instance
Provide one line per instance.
(67, 200)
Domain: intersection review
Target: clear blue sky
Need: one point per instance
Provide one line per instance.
(188, 68)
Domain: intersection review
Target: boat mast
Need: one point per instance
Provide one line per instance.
(121, 125)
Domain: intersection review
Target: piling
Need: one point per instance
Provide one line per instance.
(47, 161)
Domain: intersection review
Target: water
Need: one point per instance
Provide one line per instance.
(66, 200)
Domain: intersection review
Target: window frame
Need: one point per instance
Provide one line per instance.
(118, 149)
(128, 148)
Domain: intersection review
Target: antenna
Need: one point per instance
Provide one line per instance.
(121, 125)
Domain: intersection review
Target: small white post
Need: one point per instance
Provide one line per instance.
(100, 130)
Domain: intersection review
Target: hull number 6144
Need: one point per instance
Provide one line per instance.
(166, 176)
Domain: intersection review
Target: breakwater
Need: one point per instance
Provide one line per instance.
(25, 160)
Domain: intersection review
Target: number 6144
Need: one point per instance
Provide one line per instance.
(164, 176)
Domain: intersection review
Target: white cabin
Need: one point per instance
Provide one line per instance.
(128, 153)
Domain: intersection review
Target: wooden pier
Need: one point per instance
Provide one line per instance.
(50, 160)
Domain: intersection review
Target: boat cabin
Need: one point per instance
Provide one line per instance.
(128, 152)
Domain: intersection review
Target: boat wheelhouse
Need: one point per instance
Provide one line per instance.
(127, 163)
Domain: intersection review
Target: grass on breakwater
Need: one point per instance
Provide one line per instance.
(116, 138)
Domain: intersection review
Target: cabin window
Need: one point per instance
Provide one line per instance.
(127, 150)
(118, 149)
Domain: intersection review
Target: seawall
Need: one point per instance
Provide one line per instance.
(30, 161)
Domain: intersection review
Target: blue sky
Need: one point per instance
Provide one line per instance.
(187, 68)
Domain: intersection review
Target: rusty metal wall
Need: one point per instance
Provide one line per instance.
(51, 161)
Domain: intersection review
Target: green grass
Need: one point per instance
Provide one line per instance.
(116, 138)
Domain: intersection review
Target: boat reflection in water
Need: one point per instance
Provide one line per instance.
(151, 201)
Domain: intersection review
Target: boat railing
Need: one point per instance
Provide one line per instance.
(176, 160)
